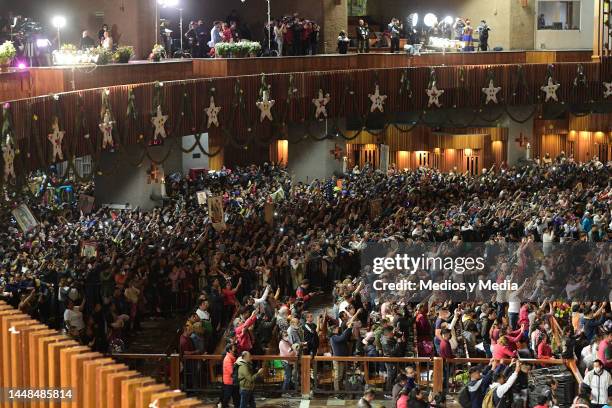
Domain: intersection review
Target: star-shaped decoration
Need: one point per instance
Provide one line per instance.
(8, 154)
(320, 104)
(377, 99)
(106, 127)
(608, 90)
(56, 141)
(550, 89)
(159, 120)
(212, 112)
(265, 106)
(491, 92)
(434, 95)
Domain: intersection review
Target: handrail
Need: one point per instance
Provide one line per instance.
(573, 367)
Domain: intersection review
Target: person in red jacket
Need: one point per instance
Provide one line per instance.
(244, 336)
(502, 349)
(230, 390)
(604, 352)
(544, 349)
(303, 293)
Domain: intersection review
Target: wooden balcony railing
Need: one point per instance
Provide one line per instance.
(36, 357)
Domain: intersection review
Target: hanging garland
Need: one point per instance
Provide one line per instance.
(8, 147)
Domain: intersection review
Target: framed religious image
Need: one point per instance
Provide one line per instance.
(24, 218)
(89, 249)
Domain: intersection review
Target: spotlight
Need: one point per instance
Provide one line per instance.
(448, 20)
(415, 19)
(430, 19)
(21, 65)
(168, 3)
(42, 43)
(59, 22)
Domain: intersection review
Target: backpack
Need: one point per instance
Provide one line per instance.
(235, 379)
(488, 401)
(464, 398)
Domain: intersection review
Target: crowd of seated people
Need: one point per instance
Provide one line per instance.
(260, 278)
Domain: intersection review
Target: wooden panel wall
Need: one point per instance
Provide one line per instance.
(35, 357)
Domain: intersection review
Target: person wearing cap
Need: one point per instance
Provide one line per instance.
(366, 400)
(480, 380)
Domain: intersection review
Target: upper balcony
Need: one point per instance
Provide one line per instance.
(32, 82)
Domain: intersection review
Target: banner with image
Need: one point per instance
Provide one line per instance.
(89, 249)
(215, 212)
(24, 218)
(202, 196)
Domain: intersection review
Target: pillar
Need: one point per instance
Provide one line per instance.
(335, 19)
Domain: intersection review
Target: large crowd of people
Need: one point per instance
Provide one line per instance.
(259, 276)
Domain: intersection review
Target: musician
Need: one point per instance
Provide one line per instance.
(101, 33)
(395, 28)
(201, 34)
(86, 41)
(192, 40)
(458, 27)
(363, 37)
(483, 35)
(468, 36)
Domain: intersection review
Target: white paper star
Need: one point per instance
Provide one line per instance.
(159, 120)
(56, 141)
(106, 127)
(212, 111)
(491, 92)
(265, 106)
(434, 95)
(8, 154)
(377, 99)
(608, 90)
(550, 89)
(320, 103)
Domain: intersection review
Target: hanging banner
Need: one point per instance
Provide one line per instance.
(24, 218)
(89, 249)
(384, 158)
(86, 203)
(375, 208)
(215, 212)
(269, 213)
(202, 196)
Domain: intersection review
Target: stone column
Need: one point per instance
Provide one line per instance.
(335, 19)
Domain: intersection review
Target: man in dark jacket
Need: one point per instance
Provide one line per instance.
(339, 345)
(366, 400)
(479, 383)
(485, 327)
(391, 347)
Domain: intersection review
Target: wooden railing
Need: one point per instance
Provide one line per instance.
(36, 357)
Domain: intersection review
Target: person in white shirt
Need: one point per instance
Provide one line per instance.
(202, 311)
(598, 379)
(107, 42)
(501, 386)
(73, 317)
